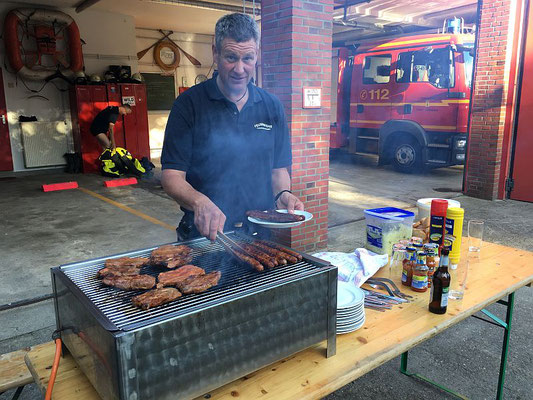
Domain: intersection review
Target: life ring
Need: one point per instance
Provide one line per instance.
(21, 16)
(160, 62)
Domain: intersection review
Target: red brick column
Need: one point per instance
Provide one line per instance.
(491, 110)
(296, 52)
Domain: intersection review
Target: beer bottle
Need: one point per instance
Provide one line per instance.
(441, 285)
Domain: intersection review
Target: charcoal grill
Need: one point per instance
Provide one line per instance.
(199, 342)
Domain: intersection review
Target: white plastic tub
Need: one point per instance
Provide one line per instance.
(424, 206)
(387, 226)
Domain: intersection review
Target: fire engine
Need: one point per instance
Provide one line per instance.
(406, 99)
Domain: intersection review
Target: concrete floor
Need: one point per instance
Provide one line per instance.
(43, 230)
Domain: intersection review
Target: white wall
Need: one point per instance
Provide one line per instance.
(198, 46)
(110, 39)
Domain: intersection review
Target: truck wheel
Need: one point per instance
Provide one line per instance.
(407, 156)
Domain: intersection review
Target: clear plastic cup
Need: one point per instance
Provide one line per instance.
(475, 235)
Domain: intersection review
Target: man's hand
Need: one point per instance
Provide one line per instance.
(290, 202)
(208, 218)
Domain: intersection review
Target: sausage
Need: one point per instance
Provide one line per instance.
(290, 252)
(249, 260)
(263, 258)
(275, 216)
(273, 252)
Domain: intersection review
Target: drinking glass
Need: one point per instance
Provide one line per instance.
(458, 276)
(475, 235)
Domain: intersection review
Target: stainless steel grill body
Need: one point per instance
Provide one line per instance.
(199, 342)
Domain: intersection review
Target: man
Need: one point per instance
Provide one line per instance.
(103, 124)
(227, 145)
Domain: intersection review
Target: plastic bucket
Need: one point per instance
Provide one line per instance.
(424, 206)
(387, 226)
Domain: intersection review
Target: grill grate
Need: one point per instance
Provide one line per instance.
(236, 281)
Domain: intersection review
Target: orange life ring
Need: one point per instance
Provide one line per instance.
(161, 63)
(20, 16)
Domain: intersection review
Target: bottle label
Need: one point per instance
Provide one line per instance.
(419, 282)
(374, 236)
(444, 298)
(404, 276)
(436, 228)
(431, 293)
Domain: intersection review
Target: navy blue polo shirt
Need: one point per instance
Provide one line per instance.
(228, 155)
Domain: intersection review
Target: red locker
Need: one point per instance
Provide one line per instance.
(85, 102)
(113, 99)
(136, 124)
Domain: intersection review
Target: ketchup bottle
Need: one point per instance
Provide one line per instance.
(437, 222)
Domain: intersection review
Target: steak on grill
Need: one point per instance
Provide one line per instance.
(199, 284)
(155, 297)
(171, 256)
(275, 216)
(134, 282)
(136, 262)
(173, 278)
(119, 270)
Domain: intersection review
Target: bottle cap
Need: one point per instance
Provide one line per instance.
(444, 252)
(455, 212)
(439, 207)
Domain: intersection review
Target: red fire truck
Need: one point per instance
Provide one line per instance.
(406, 100)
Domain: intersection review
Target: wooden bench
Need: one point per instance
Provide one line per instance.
(13, 370)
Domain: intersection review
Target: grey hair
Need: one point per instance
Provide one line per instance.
(237, 26)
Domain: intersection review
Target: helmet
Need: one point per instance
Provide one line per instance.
(95, 78)
(80, 78)
(110, 77)
(137, 77)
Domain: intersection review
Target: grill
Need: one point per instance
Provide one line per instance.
(199, 342)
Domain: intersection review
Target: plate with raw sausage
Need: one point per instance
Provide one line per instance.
(278, 218)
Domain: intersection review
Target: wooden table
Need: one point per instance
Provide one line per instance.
(309, 374)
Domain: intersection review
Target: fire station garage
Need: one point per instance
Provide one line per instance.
(372, 193)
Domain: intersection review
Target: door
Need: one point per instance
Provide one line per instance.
(523, 143)
(113, 99)
(6, 160)
(143, 137)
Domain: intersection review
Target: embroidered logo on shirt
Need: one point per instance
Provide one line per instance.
(263, 126)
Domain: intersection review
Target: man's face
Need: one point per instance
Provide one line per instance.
(236, 64)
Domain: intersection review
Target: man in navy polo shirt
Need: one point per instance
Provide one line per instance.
(227, 145)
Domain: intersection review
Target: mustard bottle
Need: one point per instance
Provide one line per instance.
(454, 233)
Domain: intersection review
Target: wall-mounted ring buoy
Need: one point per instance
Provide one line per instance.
(20, 17)
(165, 44)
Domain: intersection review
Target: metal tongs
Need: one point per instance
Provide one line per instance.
(230, 245)
(382, 282)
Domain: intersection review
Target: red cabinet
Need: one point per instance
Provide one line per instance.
(131, 132)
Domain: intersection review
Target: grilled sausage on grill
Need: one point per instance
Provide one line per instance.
(199, 284)
(172, 278)
(246, 259)
(119, 270)
(275, 216)
(135, 282)
(262, 257)
(171, 256)
(293, 253)
(136, 262)
(273, 252)
(155, 297)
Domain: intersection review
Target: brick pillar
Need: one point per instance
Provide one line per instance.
(490, 111)
(296, 52)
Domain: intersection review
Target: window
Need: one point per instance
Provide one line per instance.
(468, 56)
(376, 69)
(430, 65)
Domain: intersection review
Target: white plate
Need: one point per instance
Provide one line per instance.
(350, 329)
(308, 216)
(349, 296)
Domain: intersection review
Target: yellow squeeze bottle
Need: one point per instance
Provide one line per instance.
(454, 233)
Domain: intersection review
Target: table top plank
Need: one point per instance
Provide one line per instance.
(385, 335)
(13, 371)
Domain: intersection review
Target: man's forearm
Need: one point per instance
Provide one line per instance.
(179, 189)
(281, 180)
(112, 137)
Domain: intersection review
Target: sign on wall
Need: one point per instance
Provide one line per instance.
(312, 97)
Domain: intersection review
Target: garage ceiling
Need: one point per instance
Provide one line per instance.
(354, 19)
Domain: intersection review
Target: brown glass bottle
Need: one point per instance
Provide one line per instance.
(441, 285)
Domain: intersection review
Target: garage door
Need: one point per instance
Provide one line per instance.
(523, 145)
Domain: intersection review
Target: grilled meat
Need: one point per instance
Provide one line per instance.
(134, 282)
(199, 284)
(279, 256)
(290, 252)
(274, 216)
(171, 256)
(118, 270)
(136, 262)
(248, 260)
(173, 278)
(155, 297)
(259, 255)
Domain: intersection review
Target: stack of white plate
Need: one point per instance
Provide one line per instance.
(350, 307)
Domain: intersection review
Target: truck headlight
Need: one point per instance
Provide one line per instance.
(460, 157)
(460, 143)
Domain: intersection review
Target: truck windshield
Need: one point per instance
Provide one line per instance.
(427, 65)
(469, 65)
